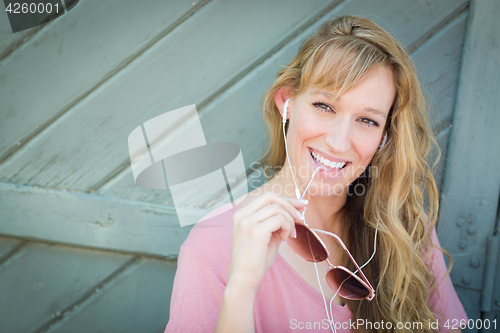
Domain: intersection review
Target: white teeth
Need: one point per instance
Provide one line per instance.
(328, 163)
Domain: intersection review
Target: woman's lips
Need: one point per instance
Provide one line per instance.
(326, 173)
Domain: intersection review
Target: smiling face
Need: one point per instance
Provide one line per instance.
(341, 135)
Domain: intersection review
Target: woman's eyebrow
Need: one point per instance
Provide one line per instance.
(369, 109)
(383, 114)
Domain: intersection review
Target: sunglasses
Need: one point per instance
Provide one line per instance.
(310, 247)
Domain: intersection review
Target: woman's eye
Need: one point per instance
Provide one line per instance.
(369, 122)
(327, 108)
(322, 106)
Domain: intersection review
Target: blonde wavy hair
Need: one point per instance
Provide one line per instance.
(336, 58)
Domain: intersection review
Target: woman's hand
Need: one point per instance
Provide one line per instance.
(258, 230)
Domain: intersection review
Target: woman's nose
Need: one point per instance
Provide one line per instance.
(338, 138)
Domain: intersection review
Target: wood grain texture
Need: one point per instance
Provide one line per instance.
(236, 115)
(438, 65)
(41, 280)
(72, 55)
(87, 144)
(222, 121)
(171, 74)
(6, 246)
(471, 182)
(90, 220)
(136, 301)
(89, 84)
(8, 40)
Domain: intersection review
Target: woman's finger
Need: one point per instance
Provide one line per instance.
(291, 205)
(272, 210)
(273, 224)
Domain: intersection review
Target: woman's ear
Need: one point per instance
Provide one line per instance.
(280, 98)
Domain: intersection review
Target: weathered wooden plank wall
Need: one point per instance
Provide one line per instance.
(471, 187)
(71, 94)
(219, 120)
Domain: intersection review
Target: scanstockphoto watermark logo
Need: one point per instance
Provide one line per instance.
(361, 324)
(170, 151)
(28, 14)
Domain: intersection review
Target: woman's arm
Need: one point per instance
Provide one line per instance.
(236, 313)
(258, 230)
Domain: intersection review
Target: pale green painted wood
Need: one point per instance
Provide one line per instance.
(495, 304)
(438, 64)
(90, 220)
(187, 66)
(236, 115)
(137, 301)
(59, 215)
(52, 165)
(96, 221)
(73, 54)
(40, 281)
(470, 302)
(7, 245)
(221, 123)
(472, 182)
(8, 40)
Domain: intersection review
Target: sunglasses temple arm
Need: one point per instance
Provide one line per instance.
(309, 183)
(360, 271)
(349, 253)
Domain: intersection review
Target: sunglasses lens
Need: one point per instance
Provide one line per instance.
(306, 245)
(350, 287)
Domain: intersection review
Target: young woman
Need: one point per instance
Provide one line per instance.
(349, 132)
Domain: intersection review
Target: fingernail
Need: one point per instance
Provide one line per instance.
(294, 232)
(304, 201)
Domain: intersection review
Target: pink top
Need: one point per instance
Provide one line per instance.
(201, 277)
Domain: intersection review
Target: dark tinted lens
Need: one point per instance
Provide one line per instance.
(306, 245)
(351, 288)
